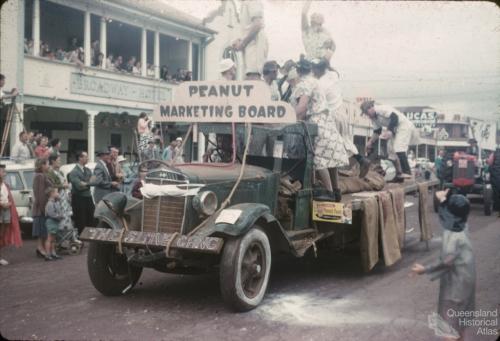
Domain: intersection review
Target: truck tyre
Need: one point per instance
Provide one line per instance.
(244, 270)
(487, 199)
(109, 271)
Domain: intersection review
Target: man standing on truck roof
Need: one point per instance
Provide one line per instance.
(253, 43)
(400, 132)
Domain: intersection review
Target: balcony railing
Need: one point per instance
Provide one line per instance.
(67, 81)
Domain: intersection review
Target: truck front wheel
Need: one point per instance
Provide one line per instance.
(109, 271)
(244, 270)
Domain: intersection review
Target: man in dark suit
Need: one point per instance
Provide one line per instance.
(103, 180)
(81, 180)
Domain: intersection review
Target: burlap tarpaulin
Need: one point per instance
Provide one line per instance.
(352, 184)
(389, 235)
(369, 233)
(398, 202)
(423, 209)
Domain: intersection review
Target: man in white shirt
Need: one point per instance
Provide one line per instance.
(21, 150)
(253, 44)
(227, 69)
(400, 132)
(6, 94)
(270, 72)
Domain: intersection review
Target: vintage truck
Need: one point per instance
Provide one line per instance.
(230, 216)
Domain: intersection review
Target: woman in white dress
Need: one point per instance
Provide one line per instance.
(329, 82)
(310, 105)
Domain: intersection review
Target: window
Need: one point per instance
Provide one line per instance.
(13, 179)
(28, 178)
(116, 140)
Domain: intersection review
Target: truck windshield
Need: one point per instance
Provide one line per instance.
(210, 145)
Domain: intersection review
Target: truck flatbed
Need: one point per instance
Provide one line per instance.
(410, 186)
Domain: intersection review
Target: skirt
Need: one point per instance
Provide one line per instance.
(39, 228)
(345, 130)
(329, 147)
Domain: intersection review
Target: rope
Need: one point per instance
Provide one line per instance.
(122, 233)
(169, 243)
(228, 198)
(242, 169)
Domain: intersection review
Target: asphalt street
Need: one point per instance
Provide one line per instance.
(325, 298)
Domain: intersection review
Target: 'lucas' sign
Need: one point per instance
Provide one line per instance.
(224, 101)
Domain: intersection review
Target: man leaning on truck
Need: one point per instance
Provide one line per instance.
(400, 132)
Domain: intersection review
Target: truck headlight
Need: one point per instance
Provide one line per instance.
(205, 202)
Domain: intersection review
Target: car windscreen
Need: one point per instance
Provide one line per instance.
(28, 178)
(13, 179)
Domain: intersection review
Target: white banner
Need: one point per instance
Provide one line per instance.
(223, 101)
(485, 133)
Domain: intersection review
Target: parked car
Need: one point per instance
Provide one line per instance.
(19, 177)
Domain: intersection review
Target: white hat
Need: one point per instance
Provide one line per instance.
(121, 158)
(225, 65)
(179, 139)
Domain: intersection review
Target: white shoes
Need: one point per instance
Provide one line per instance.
(3, 262)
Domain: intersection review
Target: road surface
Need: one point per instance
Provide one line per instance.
(329, 298)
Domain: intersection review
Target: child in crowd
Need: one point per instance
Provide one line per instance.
(54, 214)
(455, 268)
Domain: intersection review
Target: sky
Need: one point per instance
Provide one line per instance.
(442, 54)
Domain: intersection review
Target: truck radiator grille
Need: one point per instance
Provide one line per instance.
(164, 213)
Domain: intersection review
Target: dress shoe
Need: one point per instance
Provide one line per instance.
(40, 253)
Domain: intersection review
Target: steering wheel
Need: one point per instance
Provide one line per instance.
(219, 152)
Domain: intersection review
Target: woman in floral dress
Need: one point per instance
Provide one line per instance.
(310, 105)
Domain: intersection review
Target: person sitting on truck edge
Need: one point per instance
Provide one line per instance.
(400, 132)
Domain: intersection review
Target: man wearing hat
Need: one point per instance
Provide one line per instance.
(400, 132)
(227, 69)
(270, 72)
(103, 181)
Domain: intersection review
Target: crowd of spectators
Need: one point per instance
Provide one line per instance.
(74, 53)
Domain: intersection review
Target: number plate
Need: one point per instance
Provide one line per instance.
(151, 239)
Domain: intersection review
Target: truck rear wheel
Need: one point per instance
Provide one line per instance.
(109, 271)
(244, 270)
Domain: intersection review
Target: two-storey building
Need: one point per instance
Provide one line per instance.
(51, 50)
